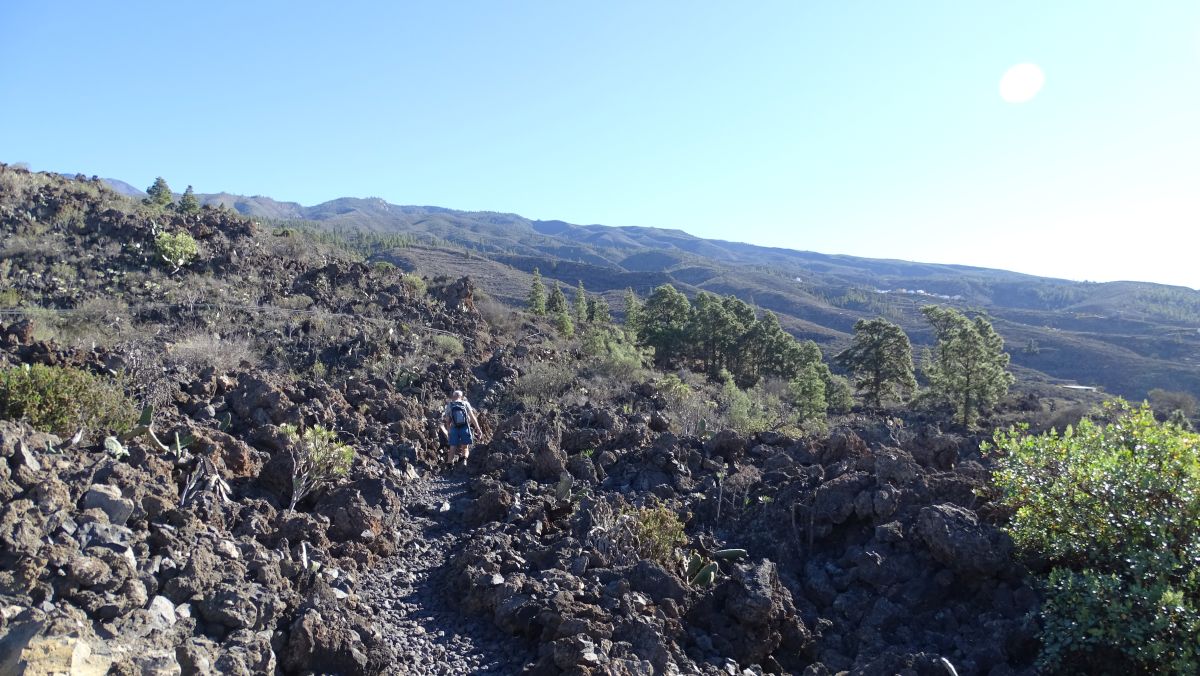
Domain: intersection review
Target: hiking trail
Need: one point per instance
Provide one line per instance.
(413, 601)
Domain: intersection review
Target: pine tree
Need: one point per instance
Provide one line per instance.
(969, 367)
(537, 295)
(880, 357)
(557, 302)
(159, 193)
(633, 309)
(562, 322)
(662, 323)
(188, 204)
(806, 394)
(598, 311)
(581, 305)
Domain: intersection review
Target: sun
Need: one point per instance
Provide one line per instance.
(1021, 83)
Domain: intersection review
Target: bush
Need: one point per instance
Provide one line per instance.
(687, 404)
(317, 458)
(296, 302)
(414, 284)
(224, 354)
(445, 348)
(177, 249)
(542, 384)
(659, 532)
(1115, 510)
(501, 318)
(612, 355)
(1167, 402)
(839, 395)
(60, 400)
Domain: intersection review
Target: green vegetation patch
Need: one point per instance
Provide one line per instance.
(659, 533)
(177, 249)
(60, 400)
(1115, 510)
(318, 458)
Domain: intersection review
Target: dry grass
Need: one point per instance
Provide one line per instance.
(223, 353)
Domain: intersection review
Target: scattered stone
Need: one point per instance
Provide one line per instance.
(108, 499)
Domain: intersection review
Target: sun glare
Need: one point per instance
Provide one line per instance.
(1021, 83)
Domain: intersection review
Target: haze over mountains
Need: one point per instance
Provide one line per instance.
(1126, 337)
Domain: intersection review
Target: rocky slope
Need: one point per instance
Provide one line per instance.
(872, 550)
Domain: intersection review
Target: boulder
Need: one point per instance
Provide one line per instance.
(957, 539)
(108, 500)
(726, 444)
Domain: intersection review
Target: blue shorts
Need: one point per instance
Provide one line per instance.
(460, 436)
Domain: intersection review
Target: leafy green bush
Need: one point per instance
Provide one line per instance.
(177, 249)
(839, 395)
(659, 532)
(414, 284)
(445, 348)
(317, 459)
(612, 355)
(60, 400)
(1115, 510)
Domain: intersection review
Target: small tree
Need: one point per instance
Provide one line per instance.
(317, 459)
(563, 323)
(581, 305)
(537, 295)
(806, 394)
(598, 311)
(969, 367)
(188, 204)
(839, 396)
(881, 360)
(632, 312)
(557, 302)
(159, 193)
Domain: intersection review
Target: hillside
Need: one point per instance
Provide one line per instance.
(597, 527)
(1125, 337)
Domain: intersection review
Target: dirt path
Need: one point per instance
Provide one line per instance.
(414, 600)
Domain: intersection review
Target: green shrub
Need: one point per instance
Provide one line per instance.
(659, 532)
(839, 395)
(60, 400)
(383, 266)
(445, 348)
(1115, 510)
(414, 284)
(317, 459)
(612, 355)
(177, 249)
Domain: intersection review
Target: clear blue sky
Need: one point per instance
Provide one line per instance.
(875, 129)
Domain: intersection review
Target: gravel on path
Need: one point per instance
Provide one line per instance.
(413, 602)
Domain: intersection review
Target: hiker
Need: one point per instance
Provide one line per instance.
(458, 417)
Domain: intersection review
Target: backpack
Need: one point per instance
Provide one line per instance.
(458, 414)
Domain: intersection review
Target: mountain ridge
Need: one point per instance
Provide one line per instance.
(1126, 336)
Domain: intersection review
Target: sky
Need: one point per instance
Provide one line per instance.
(871, 129)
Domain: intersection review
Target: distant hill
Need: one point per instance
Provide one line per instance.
(124, 188)
(1127, 337)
